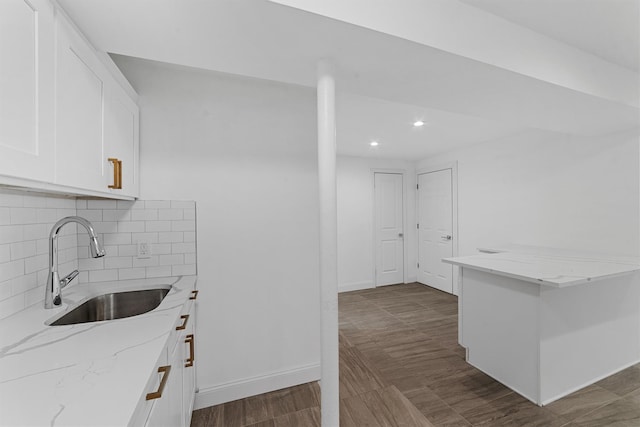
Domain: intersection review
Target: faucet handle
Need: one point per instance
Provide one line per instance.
(68, 278)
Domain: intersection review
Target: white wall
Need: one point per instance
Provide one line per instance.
(547, 189)
(355, 220)
(245, 151)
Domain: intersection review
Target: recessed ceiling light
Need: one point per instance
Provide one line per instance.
(418, 123)
(373, 143)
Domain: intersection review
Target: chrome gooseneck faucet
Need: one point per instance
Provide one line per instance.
(53, 292)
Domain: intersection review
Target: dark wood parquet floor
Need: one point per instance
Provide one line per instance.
(400, 365)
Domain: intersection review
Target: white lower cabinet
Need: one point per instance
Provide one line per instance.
(169, 401)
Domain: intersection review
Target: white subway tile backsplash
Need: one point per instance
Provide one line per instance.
(11, 234)
(20, 250)
(145, 262)
(183, 270)
(25, 222)
(6, 290)
(117, 239)
(92, 215)
(190, 258)
(100, 204)
(116, 215)
(11, 199)
(38, 262)
(42, 246)
(171, 259)
(12, 269)
(34, 296)
(128, 205)
(5, 216)
(127, 250)
(183, 248)
(158, 204)
(170, 237)
(190, 214)
(5, 254)
(161, 248)
(131, 273)
(144, 215)
(37, 231)
(131, 226)
(171, 214)
(159, 271)
(158, 225)
(22, 284)
(117, 262)
(12, 305)
(92, 263)
(144, 237)
(103, 275)
(23, 216)
(181, 204)
(47, 215)
(187, 225)
(106, 227)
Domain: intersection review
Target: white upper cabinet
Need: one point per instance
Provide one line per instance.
(26, 89)
(121, 118)
(66, 124)
(79, 113)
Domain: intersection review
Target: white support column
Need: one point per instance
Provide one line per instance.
(328, 246)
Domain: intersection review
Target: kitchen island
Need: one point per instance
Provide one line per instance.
(547, 323)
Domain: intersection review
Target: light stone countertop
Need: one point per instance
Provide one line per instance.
(85, 374)
(546, 266)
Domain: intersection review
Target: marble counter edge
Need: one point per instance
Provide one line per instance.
(567, 282)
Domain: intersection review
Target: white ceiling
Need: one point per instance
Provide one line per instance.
(465, 101)
(609, 29)
(363, 119)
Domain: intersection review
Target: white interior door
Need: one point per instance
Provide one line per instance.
(435, 225)
(389, 232)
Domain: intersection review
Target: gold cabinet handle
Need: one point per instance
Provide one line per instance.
(194, 294)
(164, 370)
(117, 173)
(191, 341)
(185, 318)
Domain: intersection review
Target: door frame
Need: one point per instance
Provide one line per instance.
(453, 166)
(405, 247)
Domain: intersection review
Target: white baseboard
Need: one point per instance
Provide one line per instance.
(228, 392)
(412, 279)
(356, 286)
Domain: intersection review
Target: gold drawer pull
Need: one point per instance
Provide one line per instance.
(117, 173)
(194, 294)
(164, 370)
(185, 318)
(191, 341)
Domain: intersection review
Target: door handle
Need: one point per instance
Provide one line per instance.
(401, 235)
(447, 237)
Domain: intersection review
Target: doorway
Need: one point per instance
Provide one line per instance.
(437, 228)
(388, 222)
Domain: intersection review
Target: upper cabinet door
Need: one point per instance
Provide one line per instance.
(26, 89)
(79, 112)
(121, 141)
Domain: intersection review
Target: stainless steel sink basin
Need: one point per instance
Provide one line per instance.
(114, 306)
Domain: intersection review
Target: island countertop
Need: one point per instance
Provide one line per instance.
(548, 267)
(89, 373)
